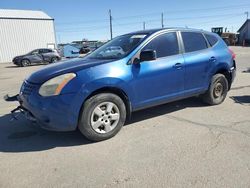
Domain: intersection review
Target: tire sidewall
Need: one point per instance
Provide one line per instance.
(53, 60)
(25, 64)
(222, 79)
(85, 117)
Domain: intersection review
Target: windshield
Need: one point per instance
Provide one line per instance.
(119, 47)
(33, 52)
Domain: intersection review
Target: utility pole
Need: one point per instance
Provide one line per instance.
(144, 25)
(247, 14)
(162, 20)
(110, 25)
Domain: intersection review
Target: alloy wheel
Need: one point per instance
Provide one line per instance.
(105, 117)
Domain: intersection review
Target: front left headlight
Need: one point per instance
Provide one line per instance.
(55, 85)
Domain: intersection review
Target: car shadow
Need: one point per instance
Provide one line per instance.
(246, 71)
(165, 109)
(23, 136)
(12, 66)
(244, 100)
(15, 66)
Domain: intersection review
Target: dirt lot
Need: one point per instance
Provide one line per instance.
(181, 144)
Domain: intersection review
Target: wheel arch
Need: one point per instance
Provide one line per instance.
(114, 90)
(27, 59)
(227, 74)
(223, 68)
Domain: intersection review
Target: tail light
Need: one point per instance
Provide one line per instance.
(232, 53)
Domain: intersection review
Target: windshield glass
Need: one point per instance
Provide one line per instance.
(119, 47)
(33, 52)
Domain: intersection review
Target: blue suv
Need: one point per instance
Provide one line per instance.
(134, 71)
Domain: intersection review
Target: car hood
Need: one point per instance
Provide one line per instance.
(20, 56)
(63, 67)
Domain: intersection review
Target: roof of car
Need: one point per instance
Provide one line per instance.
(151, 31)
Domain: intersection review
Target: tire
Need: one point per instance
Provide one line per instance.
(25, 63)
(53, 60)
(102, 117)
(217, 91)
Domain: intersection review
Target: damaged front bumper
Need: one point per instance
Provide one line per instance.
(51, 113)
(19, 110)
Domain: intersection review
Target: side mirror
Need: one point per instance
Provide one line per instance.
(148, 55)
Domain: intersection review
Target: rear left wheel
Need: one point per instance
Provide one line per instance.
(102, 117)
(217, 91)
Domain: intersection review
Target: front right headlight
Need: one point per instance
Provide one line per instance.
(55, 85)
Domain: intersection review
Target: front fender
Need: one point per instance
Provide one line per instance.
(217, 68)
(89, 88)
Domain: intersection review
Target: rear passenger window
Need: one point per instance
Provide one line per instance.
(193, 41)
(211, 39)
(164, 45)
(46, 51)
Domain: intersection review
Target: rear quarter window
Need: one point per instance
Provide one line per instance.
(194, 41)
(211, 39)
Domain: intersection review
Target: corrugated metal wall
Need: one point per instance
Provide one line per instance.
(244, 33)
(19, 36)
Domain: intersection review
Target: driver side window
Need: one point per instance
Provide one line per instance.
(34, 52)
(164, 45)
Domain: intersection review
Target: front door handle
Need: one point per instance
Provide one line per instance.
(178, 66)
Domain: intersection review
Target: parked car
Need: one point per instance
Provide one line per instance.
(98, 93)
(112, 51)
(43, 55)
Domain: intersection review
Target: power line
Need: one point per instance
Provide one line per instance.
(212, 8)
(182, 18)
(185, 10)
(150, 21)
(82, 22)
(156, 14)
(156, 20)
(111, 19)
(213, 21)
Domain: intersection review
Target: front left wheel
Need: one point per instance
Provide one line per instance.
(25, 63)
(102, 117)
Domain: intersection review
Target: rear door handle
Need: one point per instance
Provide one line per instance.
(178, 66)
(212, 59)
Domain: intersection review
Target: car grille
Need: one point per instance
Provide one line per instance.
(27, 88)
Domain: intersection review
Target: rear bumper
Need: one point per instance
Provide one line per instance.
(233, 73)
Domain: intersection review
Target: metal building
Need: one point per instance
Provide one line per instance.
(24, 30)
(244, 33)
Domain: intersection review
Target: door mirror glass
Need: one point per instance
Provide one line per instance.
(148, 55)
